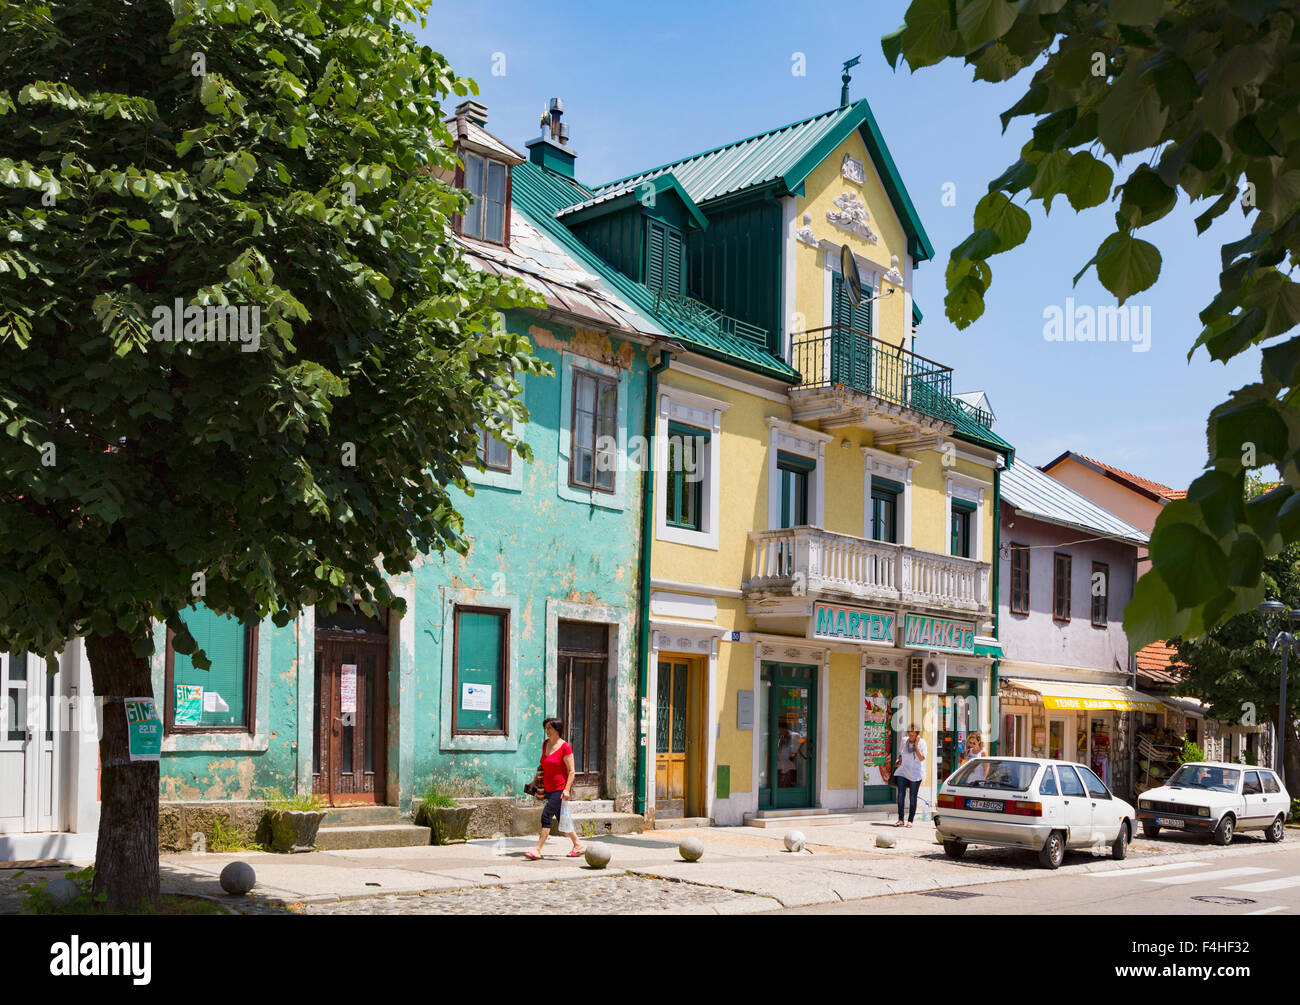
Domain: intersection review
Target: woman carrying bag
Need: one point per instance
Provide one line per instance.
(557, 771)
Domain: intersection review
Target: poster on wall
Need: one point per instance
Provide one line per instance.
(476, 697)
(143, 730)
(348, 688)
(877, 739)
(189, 705)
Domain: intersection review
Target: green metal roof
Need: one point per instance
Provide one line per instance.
(785, 157)
(971, 431)
(612, 199)
(540, 194)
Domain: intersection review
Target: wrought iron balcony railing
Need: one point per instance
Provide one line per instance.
(700, 314)
(840, 356)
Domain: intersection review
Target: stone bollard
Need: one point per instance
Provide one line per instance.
(238, 878)
(794, 840)
(886, 841)
(598, 855)
(62, 892)
(691, 849)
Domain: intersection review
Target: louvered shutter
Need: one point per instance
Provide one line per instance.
(223, 639)
(654, 256)
(850, 350)
(673, 262)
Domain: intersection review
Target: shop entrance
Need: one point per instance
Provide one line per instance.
(878, 738)
(787, 743)
(1057, 732)
(349, 761)
(958, 716)
(678, 755)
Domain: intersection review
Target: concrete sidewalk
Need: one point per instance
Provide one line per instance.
(841, 863)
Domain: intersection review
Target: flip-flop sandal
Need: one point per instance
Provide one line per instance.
(577, 853)
(532, 856)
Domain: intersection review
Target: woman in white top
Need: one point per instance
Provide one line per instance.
(974, 745)
(909, 771)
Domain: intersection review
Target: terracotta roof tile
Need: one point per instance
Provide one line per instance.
(1158, 662)
(1144, 485)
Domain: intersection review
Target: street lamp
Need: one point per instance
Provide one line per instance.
(1287, 641)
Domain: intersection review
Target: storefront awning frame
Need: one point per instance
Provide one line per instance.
(1071, 696)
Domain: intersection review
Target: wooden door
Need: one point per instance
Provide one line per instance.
(582, 706)
(672, 730)
(350, 759)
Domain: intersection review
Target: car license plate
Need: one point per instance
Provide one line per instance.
(990, 805)
(1167, 822)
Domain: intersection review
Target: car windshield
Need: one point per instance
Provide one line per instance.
(991, 773)
(1205, 776)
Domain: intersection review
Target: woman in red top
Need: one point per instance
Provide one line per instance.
(557, 776)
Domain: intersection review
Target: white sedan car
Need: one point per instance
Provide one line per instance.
(1217, 799)
(1024, 802)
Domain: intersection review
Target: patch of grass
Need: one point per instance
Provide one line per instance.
(230, 839)
(37, 901)
(304, 802)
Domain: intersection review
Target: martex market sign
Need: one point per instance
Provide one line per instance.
(855, 624)
(920, 631)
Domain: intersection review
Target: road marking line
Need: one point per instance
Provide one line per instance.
(1285, 883)
(1267, 910)
(1199, 877)
(1148, 868)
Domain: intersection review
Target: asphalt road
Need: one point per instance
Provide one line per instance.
(1255, 881)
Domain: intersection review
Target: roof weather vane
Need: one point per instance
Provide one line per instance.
(844, 90)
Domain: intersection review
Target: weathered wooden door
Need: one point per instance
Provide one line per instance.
(671, 726)
(349, 764)
(581, 706)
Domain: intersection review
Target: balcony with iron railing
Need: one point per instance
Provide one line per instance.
(812, 562)
(680, 307)
(837, 357)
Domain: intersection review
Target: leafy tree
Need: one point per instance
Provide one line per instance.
(1205, 94)
(1233, 669)
(289, 157)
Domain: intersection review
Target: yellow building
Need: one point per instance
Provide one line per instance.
(823, 510)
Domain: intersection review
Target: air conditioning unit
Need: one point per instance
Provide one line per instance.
(934, 678)
(915, 672)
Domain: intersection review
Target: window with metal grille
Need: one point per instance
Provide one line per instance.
(594, 427)
(1019, 579)
(1061, 587)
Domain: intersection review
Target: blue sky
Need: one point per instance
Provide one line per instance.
(644, 85)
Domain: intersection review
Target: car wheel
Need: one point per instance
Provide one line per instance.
(1223, 833)
(1276, 830)
(954, 849)
(1119, 849)
(1149, 829)
(1053, 853)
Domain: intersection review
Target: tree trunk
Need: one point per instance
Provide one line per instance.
(126, 857)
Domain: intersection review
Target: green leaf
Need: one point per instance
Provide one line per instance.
(1008, 221)
(982, 243)
(928, 35)
(1188, 560)
(1152, 613)
(892, 46)
(1131, 117)
(1126, 265)
(981, 21)
(1145, 197)
(1087, 181)
(1138, 12)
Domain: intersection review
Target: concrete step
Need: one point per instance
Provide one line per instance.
(791, 821)
(372, 836)
(363, 816)
(528, 820)
(590, 807)
(679, 823)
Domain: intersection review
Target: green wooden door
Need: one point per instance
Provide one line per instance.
(850, 350)
(789, 706)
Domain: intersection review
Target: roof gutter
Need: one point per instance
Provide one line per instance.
(643, 601)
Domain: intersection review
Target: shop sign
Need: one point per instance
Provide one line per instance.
(920, 631)
(856, 624)
(1099, 704)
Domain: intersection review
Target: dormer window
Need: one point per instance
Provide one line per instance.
(485, 179)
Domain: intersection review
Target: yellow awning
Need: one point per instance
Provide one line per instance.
(1069, 697)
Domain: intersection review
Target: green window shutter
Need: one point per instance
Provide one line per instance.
(480, 660)
(224, 640)
(794, 462)
(674, 279)
(654, 255)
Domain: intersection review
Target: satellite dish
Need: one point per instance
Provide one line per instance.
(849, 269)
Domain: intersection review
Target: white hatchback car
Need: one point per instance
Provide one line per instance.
(1217, 799)
(1025, 802)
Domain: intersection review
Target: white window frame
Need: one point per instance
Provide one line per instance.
(616, 500)
(971, 490)
(512, 480)
(701, 412)
(805, 442)
(882, 464)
